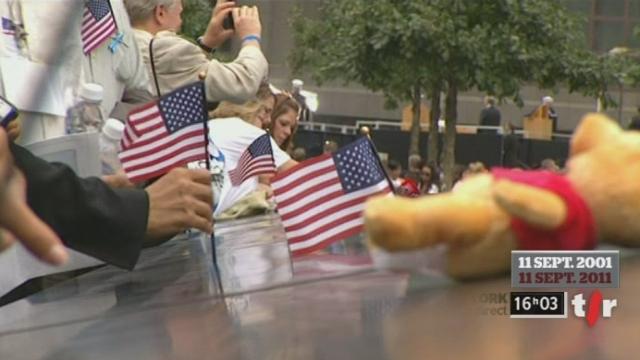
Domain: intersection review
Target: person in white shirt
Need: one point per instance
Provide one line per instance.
(232, 130)
(49, 48)
(53, 44)
(117, 65)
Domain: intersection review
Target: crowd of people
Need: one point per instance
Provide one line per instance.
(424, 178)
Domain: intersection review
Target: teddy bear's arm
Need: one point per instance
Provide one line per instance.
(540, 208)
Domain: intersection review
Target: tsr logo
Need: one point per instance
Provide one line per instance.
(595, 307)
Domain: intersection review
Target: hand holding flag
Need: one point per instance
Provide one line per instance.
(165, 133)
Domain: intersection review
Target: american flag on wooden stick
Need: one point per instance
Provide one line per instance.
(256, 160)
(165, 133)
(321, 200)
(98, 23)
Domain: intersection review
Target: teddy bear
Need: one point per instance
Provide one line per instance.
(489, 215)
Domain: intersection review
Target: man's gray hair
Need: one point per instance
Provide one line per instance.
(141, 10)
(490, 100)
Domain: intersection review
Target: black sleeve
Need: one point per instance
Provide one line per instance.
(87, 214)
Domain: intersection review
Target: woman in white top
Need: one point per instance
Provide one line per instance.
(233, 128)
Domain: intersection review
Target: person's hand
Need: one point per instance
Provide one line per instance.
(119, 180)
(14, 129)
(17, 221)
(247, 22)
(180, 200)
(268, 190)
(216, 34)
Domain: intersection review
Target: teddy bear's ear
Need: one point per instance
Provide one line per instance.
(593, 129)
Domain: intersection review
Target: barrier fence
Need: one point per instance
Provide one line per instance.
(486, 146)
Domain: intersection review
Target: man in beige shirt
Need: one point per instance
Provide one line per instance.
(173, 61)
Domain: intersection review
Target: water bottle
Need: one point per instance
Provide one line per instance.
(85, 115)
(110, 146)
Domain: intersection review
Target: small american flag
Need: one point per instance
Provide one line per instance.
(165, 133)
(321, 200)
(8, 27)
(98, 24)
(256, 160)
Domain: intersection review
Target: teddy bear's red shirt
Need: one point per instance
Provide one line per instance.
(578, 232)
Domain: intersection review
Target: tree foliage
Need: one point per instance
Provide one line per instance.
(496, 46)
(195, 17)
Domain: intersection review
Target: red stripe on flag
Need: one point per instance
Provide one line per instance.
(99, 31)
(258, 169)
(265, 169)
(304, 179)
(160, 159)
(132, 124)
(306, 163)
(144, 142)
(259, 162)
(311, 190)
(158, 141)
(152, 116)
(126, 140)
(247, 168)
(323, 213)
(164, 170)
(142, 109)
(154, 149)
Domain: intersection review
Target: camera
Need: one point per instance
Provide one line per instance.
(227, 23)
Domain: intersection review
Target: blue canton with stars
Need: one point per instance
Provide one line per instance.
(183, 107)
(260, 146)
(98, 8)
(358, 166)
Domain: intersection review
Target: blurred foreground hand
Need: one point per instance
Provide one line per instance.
(17, 221)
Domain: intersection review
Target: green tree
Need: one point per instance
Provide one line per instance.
(403, 47)
(372, 43)
(195, 17)
(499, 46)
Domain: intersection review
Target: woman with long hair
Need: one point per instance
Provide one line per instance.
(284, 120)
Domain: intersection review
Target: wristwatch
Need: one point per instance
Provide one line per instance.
(203, 46)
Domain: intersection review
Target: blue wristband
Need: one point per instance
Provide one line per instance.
(250, 38)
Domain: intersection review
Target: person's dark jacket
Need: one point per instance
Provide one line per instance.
(88, 215)
(490, 116)
(510, 150)
(553, 115)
